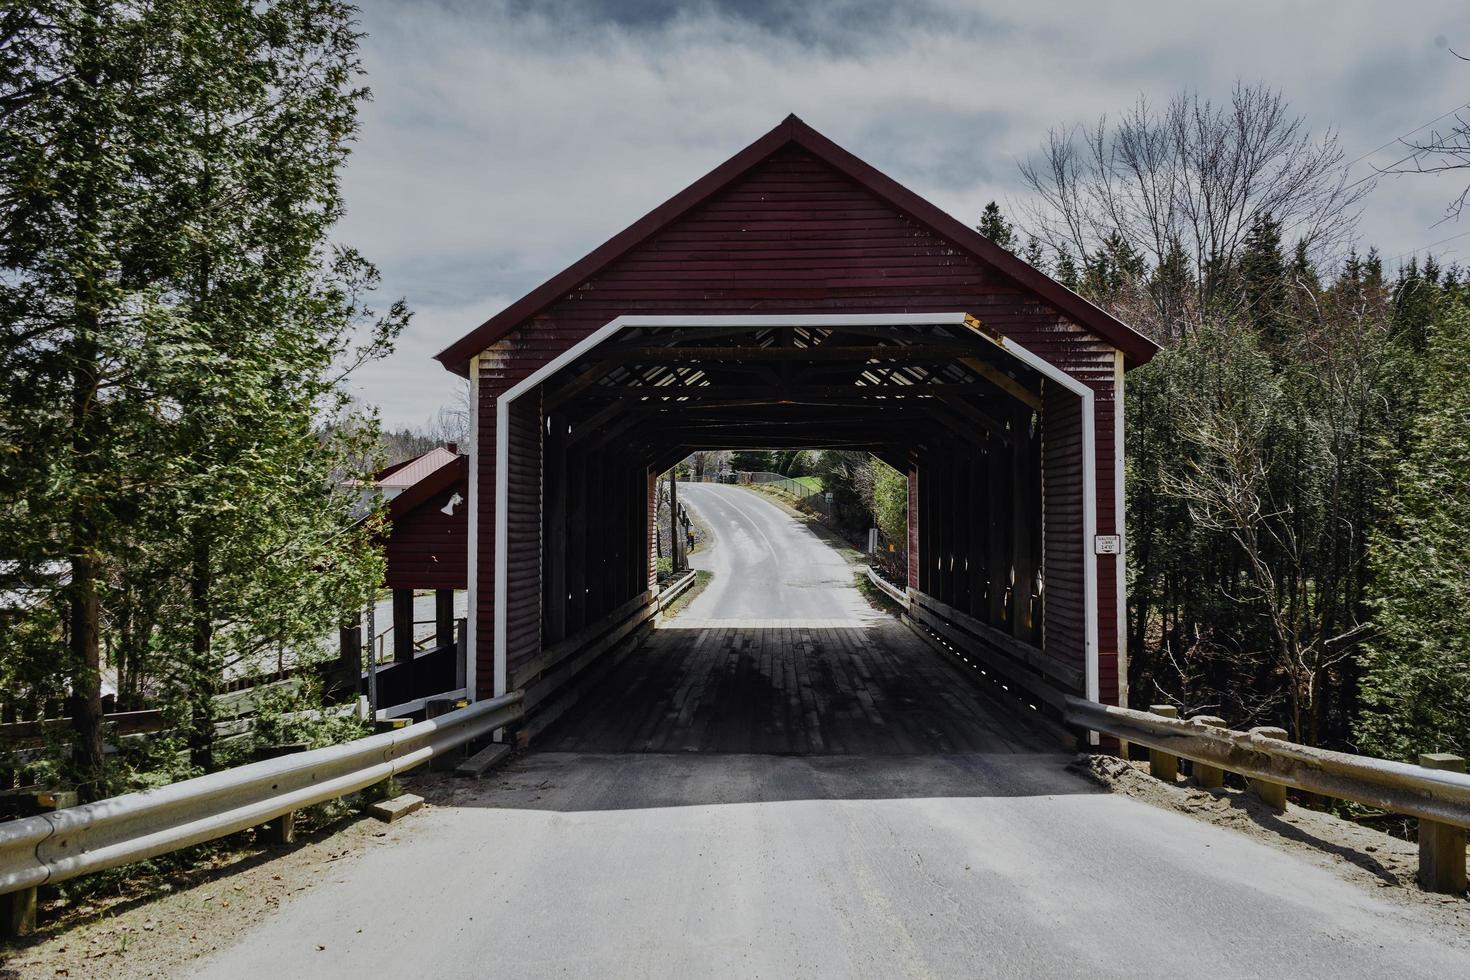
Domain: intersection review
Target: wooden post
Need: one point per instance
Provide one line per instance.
(18, 909)
(461, 655)
(372, 657)
(1442, 845)
(1208, 776)
(1163, 765)
(1000, 559)
(402, 624)
(676, 542)
(18, 913)
(433, 708)
(443, 617)
(577, 550)
(555, 554)
(979, 548)
(346, 676)
(1272, 794)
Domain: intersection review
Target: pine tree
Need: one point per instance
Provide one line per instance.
(176, 328)
(262, 106)
(994, 226)
(1065, 269)
(76, 103)
(1035, 255)
(1264, 283)
(1416, 671)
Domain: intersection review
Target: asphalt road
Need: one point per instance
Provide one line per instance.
(767, 565)
(707, 865)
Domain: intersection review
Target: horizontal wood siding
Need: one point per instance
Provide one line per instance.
(792, 235)
(523, 529)
(1063, 628)
(427, 547)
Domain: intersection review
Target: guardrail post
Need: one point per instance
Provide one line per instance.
(1163, 765)
(18, 908)
(433, 708)
(1208, 776)
(281, 830)
(1272, 794)
(1441, 845)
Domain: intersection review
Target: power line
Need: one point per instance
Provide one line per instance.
(1411, 132)
(1422, 248)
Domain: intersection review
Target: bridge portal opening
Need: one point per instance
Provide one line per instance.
(989, 440)
(796, 296)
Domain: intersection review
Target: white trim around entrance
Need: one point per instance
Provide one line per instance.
(759, 321)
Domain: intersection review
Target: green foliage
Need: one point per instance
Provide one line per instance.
(1257, 467)
(753, 461)
(1416, 669)
(293, 715)
(994, 226)
(179, 326)
(890, 501)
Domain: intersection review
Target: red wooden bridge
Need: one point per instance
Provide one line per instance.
(795, 297)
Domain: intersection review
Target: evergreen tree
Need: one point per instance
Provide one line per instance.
(181, 330)
(1066, 269)
(1112, 271)
(753, 461)
(262, 106)
(994, 226)
(76, 103)
(1035, 255)
(1416, 670)
(1264, 282)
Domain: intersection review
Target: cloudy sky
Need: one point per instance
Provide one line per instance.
(507, 139)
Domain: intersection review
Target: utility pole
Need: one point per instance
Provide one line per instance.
(372, 671)
(676, 550)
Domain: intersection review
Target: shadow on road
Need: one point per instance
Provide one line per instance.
(577, 782)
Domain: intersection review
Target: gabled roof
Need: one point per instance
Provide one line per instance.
(441, 478)
(1136, 348)
(402, 475)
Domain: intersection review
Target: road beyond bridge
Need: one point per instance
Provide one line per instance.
(715, 864)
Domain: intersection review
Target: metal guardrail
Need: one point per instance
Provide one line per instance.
(1430, 794)
(893, 592)
(63, 844)
(672, 590)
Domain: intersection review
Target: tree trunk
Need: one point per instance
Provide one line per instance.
(86, 685)
(204, 682)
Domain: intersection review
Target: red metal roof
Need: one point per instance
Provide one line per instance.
(404, 475)
(1137, 349)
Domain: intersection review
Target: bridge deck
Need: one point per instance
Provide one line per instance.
(790, 687)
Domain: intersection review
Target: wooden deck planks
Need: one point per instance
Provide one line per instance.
(771, 687)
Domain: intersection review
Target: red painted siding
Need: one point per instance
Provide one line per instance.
(427, 548)
(793, 235)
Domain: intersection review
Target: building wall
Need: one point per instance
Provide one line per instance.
(426, 549)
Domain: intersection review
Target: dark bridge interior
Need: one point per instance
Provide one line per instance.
(939, 399)
(943, 403)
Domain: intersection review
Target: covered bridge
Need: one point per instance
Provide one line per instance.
(795, 297)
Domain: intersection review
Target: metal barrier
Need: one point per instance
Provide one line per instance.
(1397, 787)
(63, 844)
(1438, 792)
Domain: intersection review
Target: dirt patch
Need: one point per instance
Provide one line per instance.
(151, 924)
(1369, 858)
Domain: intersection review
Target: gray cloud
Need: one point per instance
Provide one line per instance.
(506, 139)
